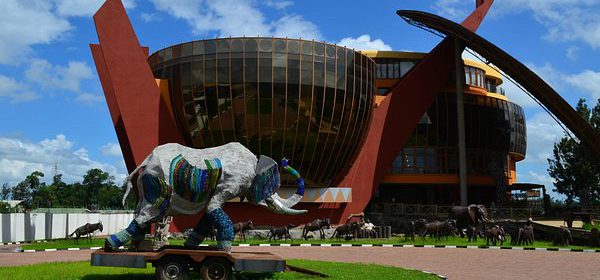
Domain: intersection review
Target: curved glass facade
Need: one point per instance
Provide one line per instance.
(475, 77)
(494, 128)
(308, 101)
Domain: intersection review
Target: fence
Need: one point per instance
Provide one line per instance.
(19, 227)
(441, 211)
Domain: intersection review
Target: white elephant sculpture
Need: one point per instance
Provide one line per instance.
(178, 180)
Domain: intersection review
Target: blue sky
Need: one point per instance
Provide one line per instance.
(52, 109)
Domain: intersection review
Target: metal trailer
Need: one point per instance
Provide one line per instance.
(175, 262)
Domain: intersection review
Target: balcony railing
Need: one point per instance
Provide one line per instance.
(394, 210)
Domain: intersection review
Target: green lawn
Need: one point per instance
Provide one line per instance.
(456, 241)
(83, 270)
(64, 243)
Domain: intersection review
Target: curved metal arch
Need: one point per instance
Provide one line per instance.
(516, 70)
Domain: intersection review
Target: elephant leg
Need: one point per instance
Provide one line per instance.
(201, 231)
(221, 222)
(132, 232)
(224, 227)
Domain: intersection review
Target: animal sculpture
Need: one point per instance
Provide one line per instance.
(495, 234)
(525, 235)
(241, 228)
(471, 215)
(280, 232)
(317, 224)
(179, 180)
(347, 231)
(563, 237)
(86, 229)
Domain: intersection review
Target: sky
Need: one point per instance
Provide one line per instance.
(53, 112)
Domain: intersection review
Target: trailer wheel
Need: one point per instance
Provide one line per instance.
(215, 269)
(172, 268)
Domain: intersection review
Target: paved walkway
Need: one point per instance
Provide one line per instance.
(486, 264)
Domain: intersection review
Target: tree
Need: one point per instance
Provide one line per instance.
(5, 191)
(45, 196)
(93, 181)
(25, 189)
(575, 170)
(5, 207)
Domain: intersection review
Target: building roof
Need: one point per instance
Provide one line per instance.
(12, 203)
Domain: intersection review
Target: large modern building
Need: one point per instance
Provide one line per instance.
(362, 127)
(426, 170)
(311, 102)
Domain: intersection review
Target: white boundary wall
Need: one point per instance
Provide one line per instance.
(19, 227)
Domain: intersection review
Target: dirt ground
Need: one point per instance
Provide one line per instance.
(454, 263)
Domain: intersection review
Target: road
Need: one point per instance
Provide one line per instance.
(486, 264)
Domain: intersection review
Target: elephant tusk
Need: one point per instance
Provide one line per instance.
(289, 202)
(275, 204)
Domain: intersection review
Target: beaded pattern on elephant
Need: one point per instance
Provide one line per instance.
(267, 180)
(193, 183)
(223, 224)
(295, 174)
(157, 192)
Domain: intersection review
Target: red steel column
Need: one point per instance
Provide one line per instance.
(140, 115)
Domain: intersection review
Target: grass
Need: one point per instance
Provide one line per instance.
(452, 241)
(589, 226)
(63, 243)
(83, 270)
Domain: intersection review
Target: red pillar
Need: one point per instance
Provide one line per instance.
(140, 115)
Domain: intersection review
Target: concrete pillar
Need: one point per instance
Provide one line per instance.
(460, 119)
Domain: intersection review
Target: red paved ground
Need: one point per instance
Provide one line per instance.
(455, 263)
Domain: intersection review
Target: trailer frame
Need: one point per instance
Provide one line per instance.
(175, 262)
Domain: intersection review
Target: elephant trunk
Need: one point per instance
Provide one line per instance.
(284, 205)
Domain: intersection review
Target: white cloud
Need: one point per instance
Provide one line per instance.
(548, 73)
(364, 42)
(587, 81)
(518, 96)
(565, 20)
(235, 18)
(539, 177)
(111, 149)
(149, 17)
(454, 9)
(543, 179)
(295, 26)
(27, 23)
(279, 4)
(42, 74)
(571, 52)
(68, 77)
(542, 133)
(85, 7)
(15, 91)
(89, 98)
(18, 158)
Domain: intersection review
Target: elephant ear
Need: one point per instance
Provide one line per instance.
(266, 180)
(472, 209)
